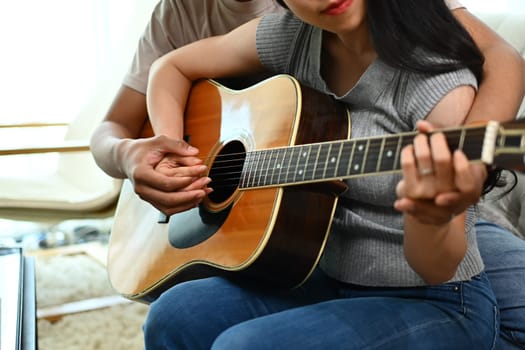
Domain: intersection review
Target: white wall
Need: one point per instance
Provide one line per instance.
(495, 6)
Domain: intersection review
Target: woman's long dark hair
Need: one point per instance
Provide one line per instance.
(398, 27)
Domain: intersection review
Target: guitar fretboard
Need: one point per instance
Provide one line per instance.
(343, 159)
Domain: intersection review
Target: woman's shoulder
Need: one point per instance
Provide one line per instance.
(281, 21)
(420, 92)
(278, 35)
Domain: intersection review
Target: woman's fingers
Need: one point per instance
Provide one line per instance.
(423, 155)
(426, 211)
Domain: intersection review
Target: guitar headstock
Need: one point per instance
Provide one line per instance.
(509, 151)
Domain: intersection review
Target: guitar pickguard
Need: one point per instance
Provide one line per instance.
(194, 226)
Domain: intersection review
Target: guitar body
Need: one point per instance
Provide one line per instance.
(271, 234)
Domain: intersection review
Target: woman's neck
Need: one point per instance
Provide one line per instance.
(345, 59)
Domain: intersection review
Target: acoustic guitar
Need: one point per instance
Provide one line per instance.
(276, 152)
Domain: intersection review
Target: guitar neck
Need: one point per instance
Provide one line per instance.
(345, 159)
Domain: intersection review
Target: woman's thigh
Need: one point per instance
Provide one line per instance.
(192, 314)
(453, 316)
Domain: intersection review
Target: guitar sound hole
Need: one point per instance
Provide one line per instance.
(226, 170)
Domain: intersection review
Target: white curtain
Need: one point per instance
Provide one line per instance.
(61, 60)
(57, 53)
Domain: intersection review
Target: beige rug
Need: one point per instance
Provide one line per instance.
(62, 279)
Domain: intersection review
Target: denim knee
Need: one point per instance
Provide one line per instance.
(236, 338)
(175, 318)
(504, 256)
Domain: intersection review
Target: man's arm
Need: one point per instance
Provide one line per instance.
(503, 86)
(118, 150)
(124, 120)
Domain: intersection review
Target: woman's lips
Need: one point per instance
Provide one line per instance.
(337, 7)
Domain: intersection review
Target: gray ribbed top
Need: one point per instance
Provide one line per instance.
(365, 245)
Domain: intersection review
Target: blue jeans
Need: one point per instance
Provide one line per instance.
(323, 314)
(504, 258)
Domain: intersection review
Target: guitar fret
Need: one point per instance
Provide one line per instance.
(461, 139)
(329, 160)
(287, 165)
(389, 154)
(336, 169)
(365, 158)
(345, 158)
(351, 158)
(282, 155)
(283, 166)
(321, 155)
(253, 170)
(358, 158)
(255, 177)
(273, 165)
(263, 169)
(294, 163)
(242, 176)
(245, 174)
(304, 158)
(265, 161)
(263, 173)
(260, 169)
(312, 153)
(397, 161)
(380, 155)
(276, 166)
(371, 160)
(269, 168)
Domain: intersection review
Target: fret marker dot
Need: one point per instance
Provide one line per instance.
(356, 167)
(389, 153)
(304, 154)
(360, 147)
(278, 166)
(301, 172)
(332, 160)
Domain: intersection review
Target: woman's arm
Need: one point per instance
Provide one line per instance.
(434, 246)
(172, 75)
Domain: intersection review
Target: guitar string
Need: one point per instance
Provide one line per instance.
(331, 169)
(240, 154)
(230, 175)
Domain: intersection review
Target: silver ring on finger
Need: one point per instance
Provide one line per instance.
(426, 171)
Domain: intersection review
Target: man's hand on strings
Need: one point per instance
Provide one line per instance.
(167, 173)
